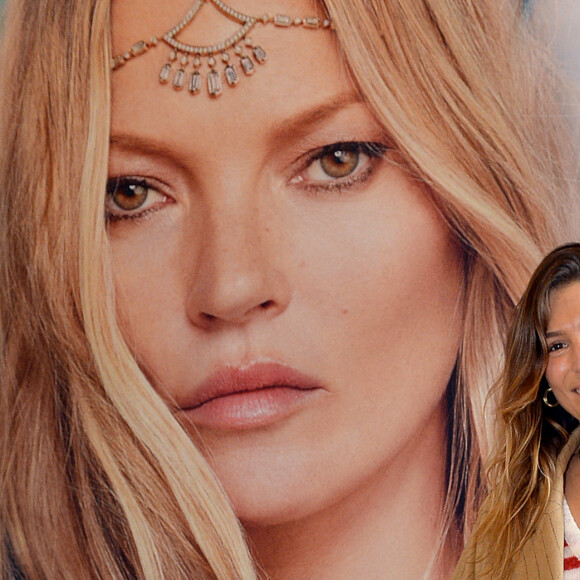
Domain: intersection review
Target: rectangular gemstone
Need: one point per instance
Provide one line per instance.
(117, 61)
(311, 22)
(165, 73)
(214, 83)
(179, 79)
(259, 54)
(139, 47)
(282, 20)
(247, 65)
(231, 75)
(194, 82)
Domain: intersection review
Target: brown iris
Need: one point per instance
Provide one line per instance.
(130, 196)
(340, 163)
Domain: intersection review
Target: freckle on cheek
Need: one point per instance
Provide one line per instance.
(345, 310)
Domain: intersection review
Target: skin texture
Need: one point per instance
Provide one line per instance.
(249, 252)
(563, 371)
(563, 335)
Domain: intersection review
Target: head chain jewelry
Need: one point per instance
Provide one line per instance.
(184, 56)
(547, 401)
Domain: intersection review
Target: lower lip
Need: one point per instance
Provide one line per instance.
(251, 409)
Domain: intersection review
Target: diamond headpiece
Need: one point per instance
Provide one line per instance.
(184, 66)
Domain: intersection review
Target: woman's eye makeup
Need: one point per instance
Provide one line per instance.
(338, 166)
(132, 198)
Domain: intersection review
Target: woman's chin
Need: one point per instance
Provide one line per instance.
(272, 497)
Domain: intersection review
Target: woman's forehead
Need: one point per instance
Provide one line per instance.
(302, 71)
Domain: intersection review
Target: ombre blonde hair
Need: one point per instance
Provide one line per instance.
(97, 478)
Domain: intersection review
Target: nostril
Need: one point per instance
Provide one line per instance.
(241, 315)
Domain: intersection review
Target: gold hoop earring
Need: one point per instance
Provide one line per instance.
(546, 401)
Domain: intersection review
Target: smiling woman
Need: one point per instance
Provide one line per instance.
(527, 527)
(260, 311)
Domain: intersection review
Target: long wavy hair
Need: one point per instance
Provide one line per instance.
(531, 434)
(97, 478)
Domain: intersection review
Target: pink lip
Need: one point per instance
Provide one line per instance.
(247, 397)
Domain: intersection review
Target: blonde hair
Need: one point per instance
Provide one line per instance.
(88, 449)
(523, 466)
(93, 463)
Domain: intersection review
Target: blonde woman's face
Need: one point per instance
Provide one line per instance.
(287, 287)
(563, 336)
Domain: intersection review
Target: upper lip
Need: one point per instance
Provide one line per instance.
(228, 380)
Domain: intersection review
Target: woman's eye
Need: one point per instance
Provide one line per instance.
(129, 198)
(340, 164)
(556, 346)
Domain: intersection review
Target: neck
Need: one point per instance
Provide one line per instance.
(390, 527)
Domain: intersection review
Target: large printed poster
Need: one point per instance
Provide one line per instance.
(307, 248)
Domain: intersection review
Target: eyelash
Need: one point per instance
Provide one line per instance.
(372, 150)
(118, 183)
(557, 346)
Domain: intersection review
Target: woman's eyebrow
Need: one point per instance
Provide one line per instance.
(302, 122)
(131, 142)
(148, 147)
(295, 127)
(297, 124)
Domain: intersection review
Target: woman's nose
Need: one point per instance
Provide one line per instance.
(238, 276)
